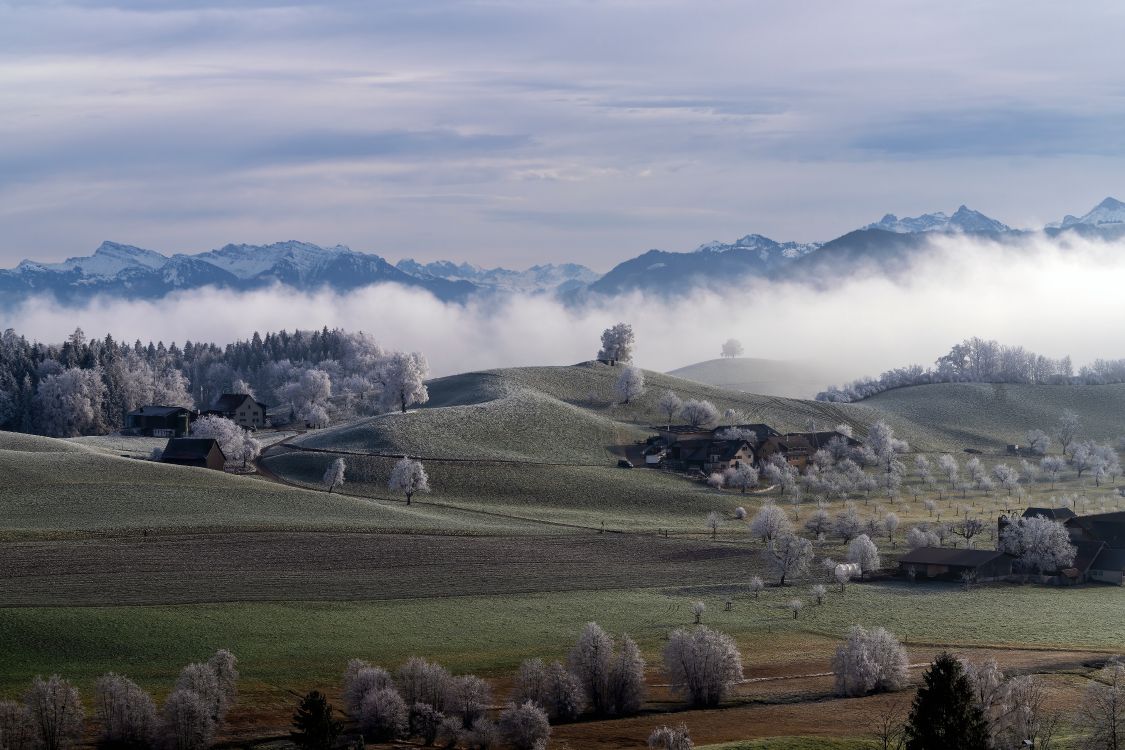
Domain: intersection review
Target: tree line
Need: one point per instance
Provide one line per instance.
(977, 360)
(86, 385)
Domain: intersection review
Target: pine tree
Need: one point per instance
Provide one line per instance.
(315, 728)
(944, 714)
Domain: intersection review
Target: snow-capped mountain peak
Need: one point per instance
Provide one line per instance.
(537, 279)
(1107, 213)
(964, 219)
(110, 259)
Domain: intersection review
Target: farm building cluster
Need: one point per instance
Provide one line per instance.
(175, 421)
(691, 448)
(1098, 540)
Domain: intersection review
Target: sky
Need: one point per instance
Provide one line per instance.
(508, 132)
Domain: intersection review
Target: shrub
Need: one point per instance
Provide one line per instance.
(187, 722)
(383, 715)
(126, 713)
(56, 712)
(524, 726)
(314, 726)
(869, 661)
(668, 738)
(702, 664)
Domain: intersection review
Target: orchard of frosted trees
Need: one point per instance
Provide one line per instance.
(85, 386)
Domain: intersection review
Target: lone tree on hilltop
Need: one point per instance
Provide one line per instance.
(732, 348)
(945, 713)
(409, 477)
(314, 727)
(617, 344)
(403, 377)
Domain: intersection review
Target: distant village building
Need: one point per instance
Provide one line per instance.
(240, 408)
(199, 452)
(159, 421)
(706, 449)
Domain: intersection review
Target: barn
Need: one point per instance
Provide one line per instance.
(201, 452)
(950, 563)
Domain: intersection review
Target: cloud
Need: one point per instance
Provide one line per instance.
(1054, 298)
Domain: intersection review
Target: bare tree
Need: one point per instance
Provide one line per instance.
(968, 528)
(421, 681)
(17, 729)
(1038, 442)
(468, 697)
(889, 726)
(359, 680)
(756, 586)
(702, 664)
(848, 525)
(869, 661)
(627, 678)
(409, 477)
(524, 726)
(334, 475)
(713, 520)
(697, 610)
(820, 522)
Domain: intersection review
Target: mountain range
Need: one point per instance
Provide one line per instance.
(125, 271)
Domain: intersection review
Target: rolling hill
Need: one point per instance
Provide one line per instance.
(768, 377)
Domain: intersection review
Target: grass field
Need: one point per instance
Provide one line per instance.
(767, 377)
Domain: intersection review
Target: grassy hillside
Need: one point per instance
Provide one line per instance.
(769, 377)
(55, 487)
(953, 416)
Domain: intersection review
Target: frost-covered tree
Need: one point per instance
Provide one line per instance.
(820, 522)
(334, 474)
(1006, 477)
(788, 556)
(670, 738)
(670, 405)
(1040, 544)
(630, 384)
(56, 712)
(1038, 442)
(403, 379)
(770, 522)
(1102, 712)
(699, 413)
(359, 680)
(702, 664)
(732, 348)
(186, 722)
(715, 480)
(524, 727)
(742, 477)
(890, 525)
(126, 713)
(552, 688)
(309, 392)
(847, 525)
(617, 344)
(421, 681)
(948, 466)
(756, 586)
(383, 716)
(795, 606)
(863, 551)
(713, 521)
(591, 661)
(468, 697)
(70, 403)
(409, 477)
(869, 661)
(1052, 466)
(842, 574)
(236, 443)
(627, 678)
(1068, 428)
(819, 591)
(697, 610)
(17, 730)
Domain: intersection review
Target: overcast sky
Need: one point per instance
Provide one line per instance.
(517, 133)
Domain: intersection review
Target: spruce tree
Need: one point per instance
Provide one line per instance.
(313, 724)
(944, 714)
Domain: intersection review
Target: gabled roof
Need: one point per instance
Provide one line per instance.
(1054, 514)
(702, 450)
(190, 449)
(152, 410)
(229, 402)
(965, 558)
(1106, 527)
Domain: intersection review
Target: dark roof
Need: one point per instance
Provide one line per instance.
(763, 431)
(190, 449)
(1054, 514)
(680, 429)
(821, 439)
(965, 558)
(702, 450)
(151, 410)
(1106, 527)
(1108, 559)
(229, 402)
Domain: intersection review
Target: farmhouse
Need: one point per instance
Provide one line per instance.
(200, 452)
(798, 447)
(159, 421)
(240, 408)
(950, 563)
(710, 455)
(1108, 531)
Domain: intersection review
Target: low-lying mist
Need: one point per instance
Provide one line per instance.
(1054, 298)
